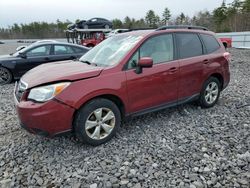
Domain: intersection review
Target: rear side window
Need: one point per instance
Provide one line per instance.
(79, 50)
(189, 45)
(210, 42)
(61, 50)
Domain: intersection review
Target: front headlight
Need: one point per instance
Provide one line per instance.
(45, 93)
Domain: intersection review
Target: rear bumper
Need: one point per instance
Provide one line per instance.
(47, 119)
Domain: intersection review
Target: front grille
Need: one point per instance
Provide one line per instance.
(20, 89)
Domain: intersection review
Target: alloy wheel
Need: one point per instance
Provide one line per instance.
(211, 92)
(100, 123)
(5, 76)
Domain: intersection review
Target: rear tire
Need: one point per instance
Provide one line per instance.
(97, 121)
(5, 76)
(210, 92)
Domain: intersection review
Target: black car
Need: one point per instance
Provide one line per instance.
(13, 66)
(95, 23)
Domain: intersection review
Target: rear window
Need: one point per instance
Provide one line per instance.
(210, 42)
(189, 45)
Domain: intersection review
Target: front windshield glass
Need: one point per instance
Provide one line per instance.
(111, 51)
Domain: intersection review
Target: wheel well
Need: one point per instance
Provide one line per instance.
(225, 44)
(9, 71)
(115, 100)
(219, 77)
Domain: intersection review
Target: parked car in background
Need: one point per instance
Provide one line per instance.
(92, 39)
(95, 23)
(1, 42)
(117, 31)
(125, 75)
(13, 66)
(37, 42)
(227, 42)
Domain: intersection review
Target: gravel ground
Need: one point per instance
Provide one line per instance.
(184, 146)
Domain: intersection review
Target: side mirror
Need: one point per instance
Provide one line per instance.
(144, 62)
(23, 55)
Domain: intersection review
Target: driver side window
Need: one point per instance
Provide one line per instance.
(159, 48)
(39, 51)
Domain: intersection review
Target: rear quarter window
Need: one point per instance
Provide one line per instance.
(210, 42)
(189, 45)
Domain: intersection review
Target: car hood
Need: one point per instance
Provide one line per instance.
(7, 57)
(60, 71)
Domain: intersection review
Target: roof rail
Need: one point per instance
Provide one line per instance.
(181, 27)
(144, 28)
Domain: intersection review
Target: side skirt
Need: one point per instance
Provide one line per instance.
(164, 106)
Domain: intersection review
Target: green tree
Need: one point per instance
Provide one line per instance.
(219, 17)
(152, 19)
(127, 22)
(117, 23)
(203, 18)
(166, 16)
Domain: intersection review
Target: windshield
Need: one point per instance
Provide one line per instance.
(111, 51)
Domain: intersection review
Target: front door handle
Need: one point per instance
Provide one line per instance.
(206, 61)
(173, 70)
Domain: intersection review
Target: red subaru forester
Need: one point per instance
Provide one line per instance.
(126, 75)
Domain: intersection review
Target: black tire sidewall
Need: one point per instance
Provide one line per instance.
(85, 111)
(203, 101)
(10, 76)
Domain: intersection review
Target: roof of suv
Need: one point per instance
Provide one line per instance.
(191, 29)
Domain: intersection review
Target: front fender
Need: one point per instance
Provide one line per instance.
(79, 92)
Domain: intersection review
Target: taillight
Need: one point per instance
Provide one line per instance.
(227, 56)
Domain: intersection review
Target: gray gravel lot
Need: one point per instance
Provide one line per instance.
(184, 146)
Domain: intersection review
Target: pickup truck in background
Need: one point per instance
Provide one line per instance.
(227, 42)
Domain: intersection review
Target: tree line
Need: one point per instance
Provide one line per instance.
(232, 17)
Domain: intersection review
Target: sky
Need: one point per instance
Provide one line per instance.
(26, 11)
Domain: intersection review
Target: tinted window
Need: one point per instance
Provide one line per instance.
(210, 42)
(189, 45)
(79, 50)
(39, 51)
(59, 50)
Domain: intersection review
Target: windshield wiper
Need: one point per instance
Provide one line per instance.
(87, 62)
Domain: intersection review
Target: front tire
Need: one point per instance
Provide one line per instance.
(210, 92)
(97, 122)
(5, 76)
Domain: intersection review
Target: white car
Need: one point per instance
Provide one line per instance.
(117, 31)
